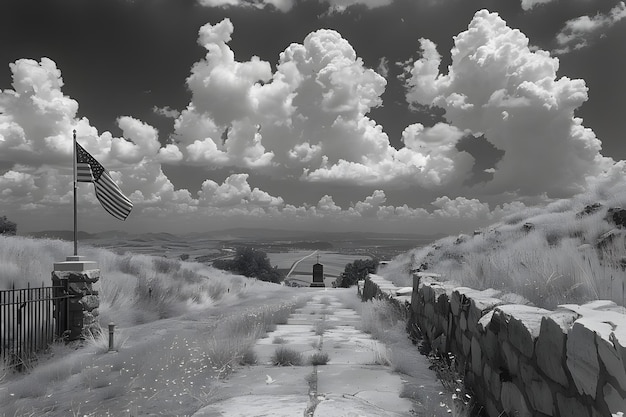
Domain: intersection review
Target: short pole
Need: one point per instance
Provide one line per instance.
(111, 333)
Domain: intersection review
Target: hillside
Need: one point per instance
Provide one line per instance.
(572, 250)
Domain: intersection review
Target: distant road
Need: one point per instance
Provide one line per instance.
(295, 264)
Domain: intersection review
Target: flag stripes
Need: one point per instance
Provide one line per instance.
(83, 172)
(111, 197)
(107, 192)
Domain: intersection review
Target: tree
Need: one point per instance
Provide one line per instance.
(7, 227)
(251, 263)
(356, 271)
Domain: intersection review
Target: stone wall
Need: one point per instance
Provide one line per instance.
(520, 360)
(376, 287)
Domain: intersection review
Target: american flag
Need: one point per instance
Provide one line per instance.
(107, 192)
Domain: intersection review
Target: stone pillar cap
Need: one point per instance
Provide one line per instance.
(75, 264)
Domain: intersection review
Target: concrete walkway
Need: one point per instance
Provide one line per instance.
(356, 380)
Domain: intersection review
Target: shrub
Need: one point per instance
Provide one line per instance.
(249, 357)
(251, 263)
(278, 340)
(7, 227)
(284, 356)
(321, 326)
(356, 271)
(319, 358)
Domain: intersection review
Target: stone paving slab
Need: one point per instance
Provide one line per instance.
(347, 406)
(344, 355)
(265, 380)
(257, 406)
(373, 384)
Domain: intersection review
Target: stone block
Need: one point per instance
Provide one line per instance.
(611, 356)
(614, 400)
(550, 347)
(460, 299)
(492, 408)
(490, 346)
(537, 389)
(80, 288)
(429, 311)
(89, 319)
(523, 325)
(478, 307)
(467, 345)
(582, 359)
(601, 305)
(596, 413)
(91, 275)
(618, 337)
(90, 302)
(513, 401)
(511, 359)
(484, 322)
(442, 323)
(439, 344)
(458, 333)
(455, 302)
(428, 294)
(443, 304)
(477, 365)
(463, 321)
(492, 380)
(499, 326)
(570, 407)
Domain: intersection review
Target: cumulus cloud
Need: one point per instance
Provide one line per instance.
(36, 124)
(581, 32)
(529, 4)
(235, 191)
(383, 67)
(282, 5)
(341, 5)
(35, 115)
(460, 207)
(499, 87)
(308, 119)
(166, 111)
(337, 6)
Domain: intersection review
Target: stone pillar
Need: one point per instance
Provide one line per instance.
(77, 277)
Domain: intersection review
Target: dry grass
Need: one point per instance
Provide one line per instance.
(279, 340)
(284, 356)
(550, 256)
(146, 368)
(319, 358)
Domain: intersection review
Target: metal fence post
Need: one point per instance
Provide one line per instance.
(111, 336)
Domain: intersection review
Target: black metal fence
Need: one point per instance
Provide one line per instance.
(30, 320)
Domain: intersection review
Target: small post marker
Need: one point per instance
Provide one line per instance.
(111, 335)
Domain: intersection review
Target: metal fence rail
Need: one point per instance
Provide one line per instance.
(30, 320)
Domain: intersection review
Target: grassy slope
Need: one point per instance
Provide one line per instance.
(550, 255)
(174, 342)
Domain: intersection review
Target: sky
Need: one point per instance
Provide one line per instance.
(411, 116)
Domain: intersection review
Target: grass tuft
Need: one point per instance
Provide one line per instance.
(319, 358)
(249, 357)
(284, 356)
(279, 340)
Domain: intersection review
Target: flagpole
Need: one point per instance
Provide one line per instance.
(75, 186)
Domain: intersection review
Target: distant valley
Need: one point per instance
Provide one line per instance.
(208, 246)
